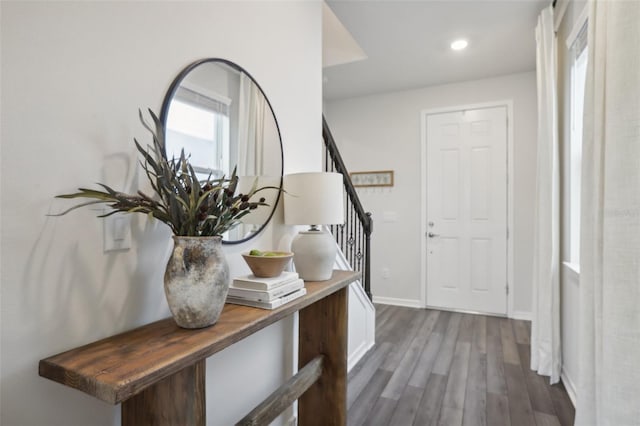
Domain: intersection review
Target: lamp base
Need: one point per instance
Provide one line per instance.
(314, 254)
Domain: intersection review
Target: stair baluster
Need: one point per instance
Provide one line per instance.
(353, 237)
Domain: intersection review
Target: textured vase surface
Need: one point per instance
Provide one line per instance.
(196, 281)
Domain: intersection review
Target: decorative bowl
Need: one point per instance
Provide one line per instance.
(270, 264)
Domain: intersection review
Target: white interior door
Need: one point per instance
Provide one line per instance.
(467, 210)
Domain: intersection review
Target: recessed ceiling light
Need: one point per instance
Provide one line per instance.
(459, 44)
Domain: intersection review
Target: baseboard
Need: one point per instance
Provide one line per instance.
(409, 303)
(521, 315)
(569, 386)
(358, 354)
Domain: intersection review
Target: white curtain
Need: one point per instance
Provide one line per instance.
(252, 106)
(545, 327)
(609, 381)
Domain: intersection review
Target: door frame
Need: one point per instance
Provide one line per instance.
(508, 103)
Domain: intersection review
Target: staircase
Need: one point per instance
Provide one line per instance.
(354, 242)
(354, 236)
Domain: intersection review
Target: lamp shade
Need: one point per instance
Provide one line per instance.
(260, 215)
(313, 199)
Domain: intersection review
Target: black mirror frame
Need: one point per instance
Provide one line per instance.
(165, 111)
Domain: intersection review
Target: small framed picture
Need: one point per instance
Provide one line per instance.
(377, 178)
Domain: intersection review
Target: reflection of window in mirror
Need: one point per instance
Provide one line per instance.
(219, 115)
(199, 123)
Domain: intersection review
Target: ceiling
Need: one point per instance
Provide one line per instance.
(407, 43)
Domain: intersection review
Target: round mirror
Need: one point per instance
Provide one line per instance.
(219, 115)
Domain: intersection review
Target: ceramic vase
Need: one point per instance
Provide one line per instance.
(196, 281)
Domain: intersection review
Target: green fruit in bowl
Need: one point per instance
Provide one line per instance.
(255, 252)
(277, 254)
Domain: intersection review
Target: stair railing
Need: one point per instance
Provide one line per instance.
(354, 236)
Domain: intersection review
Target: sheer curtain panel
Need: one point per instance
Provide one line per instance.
(545, 326)
(252, 109)
(609, 381)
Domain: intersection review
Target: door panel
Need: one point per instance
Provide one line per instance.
(467, 210)
(450, 174)
(480, 189)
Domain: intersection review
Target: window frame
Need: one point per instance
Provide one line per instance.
(577, 45)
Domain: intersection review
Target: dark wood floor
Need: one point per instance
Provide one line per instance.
(443, 368)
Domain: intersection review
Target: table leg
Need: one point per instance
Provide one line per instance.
(323, 330)
(176, 400)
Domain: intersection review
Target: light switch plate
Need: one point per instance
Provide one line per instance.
(117, 232)
(390, 217)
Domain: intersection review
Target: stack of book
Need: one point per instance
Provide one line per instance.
(266, 293)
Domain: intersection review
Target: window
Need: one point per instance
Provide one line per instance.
(579, 57)
(200, 125)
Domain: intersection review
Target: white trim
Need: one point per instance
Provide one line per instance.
(577, 26)
(369, 339)
(510, 210)
(423, 207)
(465, 311)
(521, 315)
(455, 108)
(559, 12)
(355, 289)
(570, 386)
(206, 92)
(572, 270)
(358, 353)
(508, 103)
(409, 303)
(358, 296)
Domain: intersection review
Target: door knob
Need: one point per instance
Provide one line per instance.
(431, 235)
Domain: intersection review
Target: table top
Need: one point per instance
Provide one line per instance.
(118, 367)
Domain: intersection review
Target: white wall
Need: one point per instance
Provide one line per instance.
(381, 132)
(73, 77)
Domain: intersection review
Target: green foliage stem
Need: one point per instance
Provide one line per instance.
(189, 206)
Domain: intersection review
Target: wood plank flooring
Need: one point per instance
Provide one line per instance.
(433, 367)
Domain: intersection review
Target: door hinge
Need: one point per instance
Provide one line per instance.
(507, 233)
(506, 287)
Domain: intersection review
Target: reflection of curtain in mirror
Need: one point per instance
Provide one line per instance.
(252, 107)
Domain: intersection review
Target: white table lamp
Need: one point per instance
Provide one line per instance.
(313, 199)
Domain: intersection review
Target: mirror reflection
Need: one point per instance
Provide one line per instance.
(219, 115)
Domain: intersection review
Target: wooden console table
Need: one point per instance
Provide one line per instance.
(157, 371)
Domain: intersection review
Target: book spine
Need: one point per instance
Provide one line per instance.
(269, 305)
(280, 293)
(293, 296)
(266, 296)
(255, 285)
